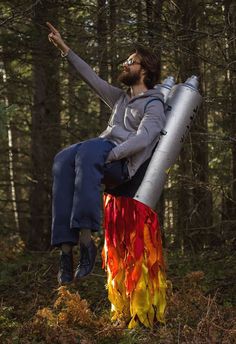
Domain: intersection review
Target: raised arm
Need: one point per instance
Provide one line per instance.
(109, 94)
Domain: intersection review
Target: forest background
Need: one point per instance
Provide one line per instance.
(45, 107)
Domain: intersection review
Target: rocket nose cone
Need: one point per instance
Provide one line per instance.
(169, 81)
(193, 81)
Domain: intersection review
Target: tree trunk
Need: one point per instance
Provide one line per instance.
(140, 24)
(45, 139)
(154, 27)
(230, 19)
(195, 207)
(19, 207)
(102, 55)
(113, 40)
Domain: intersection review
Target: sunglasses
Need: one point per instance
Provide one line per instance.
(130, 62)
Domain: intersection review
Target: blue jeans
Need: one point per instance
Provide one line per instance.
(78, 172)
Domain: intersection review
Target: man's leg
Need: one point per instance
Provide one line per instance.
(63, 191)
(62, 201)
(86, 209)
(89, 169)
(78, 171)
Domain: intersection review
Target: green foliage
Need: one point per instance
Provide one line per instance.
(7, 322)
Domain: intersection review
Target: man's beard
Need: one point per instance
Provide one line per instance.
(129, 79)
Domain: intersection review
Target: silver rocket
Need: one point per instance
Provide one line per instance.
(181, 107)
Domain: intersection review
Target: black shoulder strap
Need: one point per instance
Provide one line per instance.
(152, 100)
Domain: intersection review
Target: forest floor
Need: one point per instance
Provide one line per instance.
(201, 303)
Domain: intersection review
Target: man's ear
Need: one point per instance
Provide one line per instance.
(143, 72)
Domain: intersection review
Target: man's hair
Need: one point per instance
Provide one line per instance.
(150, 64)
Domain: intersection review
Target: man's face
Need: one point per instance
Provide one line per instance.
(132, 71)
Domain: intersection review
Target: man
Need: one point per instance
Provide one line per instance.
(115, 158)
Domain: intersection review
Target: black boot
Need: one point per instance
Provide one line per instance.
(65, 273)
(87, 260)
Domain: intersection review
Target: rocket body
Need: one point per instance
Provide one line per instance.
(181, 108)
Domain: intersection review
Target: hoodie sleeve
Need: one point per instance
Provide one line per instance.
(108, 93)
(149, 129)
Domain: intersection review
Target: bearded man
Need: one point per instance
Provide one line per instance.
(117, 158)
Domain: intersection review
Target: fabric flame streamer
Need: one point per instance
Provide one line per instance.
(132, 256)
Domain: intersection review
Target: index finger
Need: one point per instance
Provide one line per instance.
(51, 27)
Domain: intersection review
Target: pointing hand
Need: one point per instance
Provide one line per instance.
(55, 37)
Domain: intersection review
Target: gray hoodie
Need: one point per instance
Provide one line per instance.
(135, 123)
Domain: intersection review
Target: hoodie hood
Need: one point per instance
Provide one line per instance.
(152, 93)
